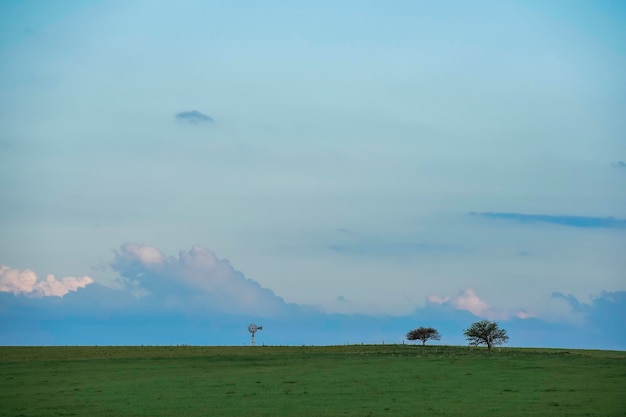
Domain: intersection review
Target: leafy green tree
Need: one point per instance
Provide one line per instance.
(424, 334)
(486, 332)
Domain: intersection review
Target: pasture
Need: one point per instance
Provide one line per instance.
(374, 380)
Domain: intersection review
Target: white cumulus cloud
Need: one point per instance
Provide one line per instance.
(26, 282)
(467, 300)
(195, 278)
(145, 254)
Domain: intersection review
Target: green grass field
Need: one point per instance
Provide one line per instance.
(377, 380)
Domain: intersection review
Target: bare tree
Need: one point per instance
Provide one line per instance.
(486, 332)
(424, 334)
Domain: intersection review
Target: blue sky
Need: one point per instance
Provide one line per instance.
(343, 173)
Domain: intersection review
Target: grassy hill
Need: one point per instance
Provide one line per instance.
(371, 380)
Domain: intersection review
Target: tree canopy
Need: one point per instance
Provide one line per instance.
(424, 334)
(486, 332)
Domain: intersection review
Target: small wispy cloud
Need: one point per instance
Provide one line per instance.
(619, 164)
(26, 282)
(345, 230)
(194, 117)
(570, 221)
(371, 248)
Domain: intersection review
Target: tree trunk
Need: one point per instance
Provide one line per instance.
(423, 343)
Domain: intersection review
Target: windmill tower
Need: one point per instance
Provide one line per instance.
(253, 328)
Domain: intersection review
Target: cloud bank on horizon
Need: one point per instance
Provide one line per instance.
(198, 286)
(364, 163)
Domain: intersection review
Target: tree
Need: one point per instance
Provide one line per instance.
(424, 334)
(485, 332)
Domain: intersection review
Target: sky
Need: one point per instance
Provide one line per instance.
(337, 172)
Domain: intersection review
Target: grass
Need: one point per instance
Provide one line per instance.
(376, 380)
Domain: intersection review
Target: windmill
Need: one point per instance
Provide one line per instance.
(253, 328)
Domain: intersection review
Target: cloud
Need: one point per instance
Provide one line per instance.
(345, 230)
(350, 242)
(467, 300)
(604, 311)
(144, 254)
(103, 316)
(608, 306)
(620, 164)
(371, 248)
(194, 117)
(197, 298)
(568, 221)
(26, 282)
(196, 279)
